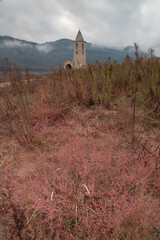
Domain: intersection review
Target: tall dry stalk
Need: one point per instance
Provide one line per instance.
(134, 94)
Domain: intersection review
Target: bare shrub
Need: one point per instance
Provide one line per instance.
(17, 112)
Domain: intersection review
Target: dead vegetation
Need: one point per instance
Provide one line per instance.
(80, 152)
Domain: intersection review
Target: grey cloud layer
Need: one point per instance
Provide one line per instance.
(107, 22)
(45, 48)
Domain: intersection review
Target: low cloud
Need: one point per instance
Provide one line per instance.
(157, 51)
(45, 48)
(16, 43)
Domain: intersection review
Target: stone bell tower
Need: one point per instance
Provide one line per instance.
(79, 52)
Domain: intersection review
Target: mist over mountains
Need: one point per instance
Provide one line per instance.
(41, 57)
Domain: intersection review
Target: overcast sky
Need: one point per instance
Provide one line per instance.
(112, 23)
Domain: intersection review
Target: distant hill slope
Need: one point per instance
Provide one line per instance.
(37, 57)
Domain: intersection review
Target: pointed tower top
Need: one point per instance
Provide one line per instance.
(79, 37)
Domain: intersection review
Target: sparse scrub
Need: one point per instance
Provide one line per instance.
(82, 178)
(17, 112)
(104, 83)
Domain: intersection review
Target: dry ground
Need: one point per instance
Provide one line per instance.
(102, 187)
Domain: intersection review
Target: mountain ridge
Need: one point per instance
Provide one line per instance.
(42, 56)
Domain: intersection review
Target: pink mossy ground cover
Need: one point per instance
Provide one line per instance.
(81, 179)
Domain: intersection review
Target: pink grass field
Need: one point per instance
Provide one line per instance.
(82, 179)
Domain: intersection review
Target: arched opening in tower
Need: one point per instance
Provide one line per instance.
(68, 66)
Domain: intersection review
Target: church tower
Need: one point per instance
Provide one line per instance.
(79, 52)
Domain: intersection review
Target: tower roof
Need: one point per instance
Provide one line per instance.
(79, 37)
